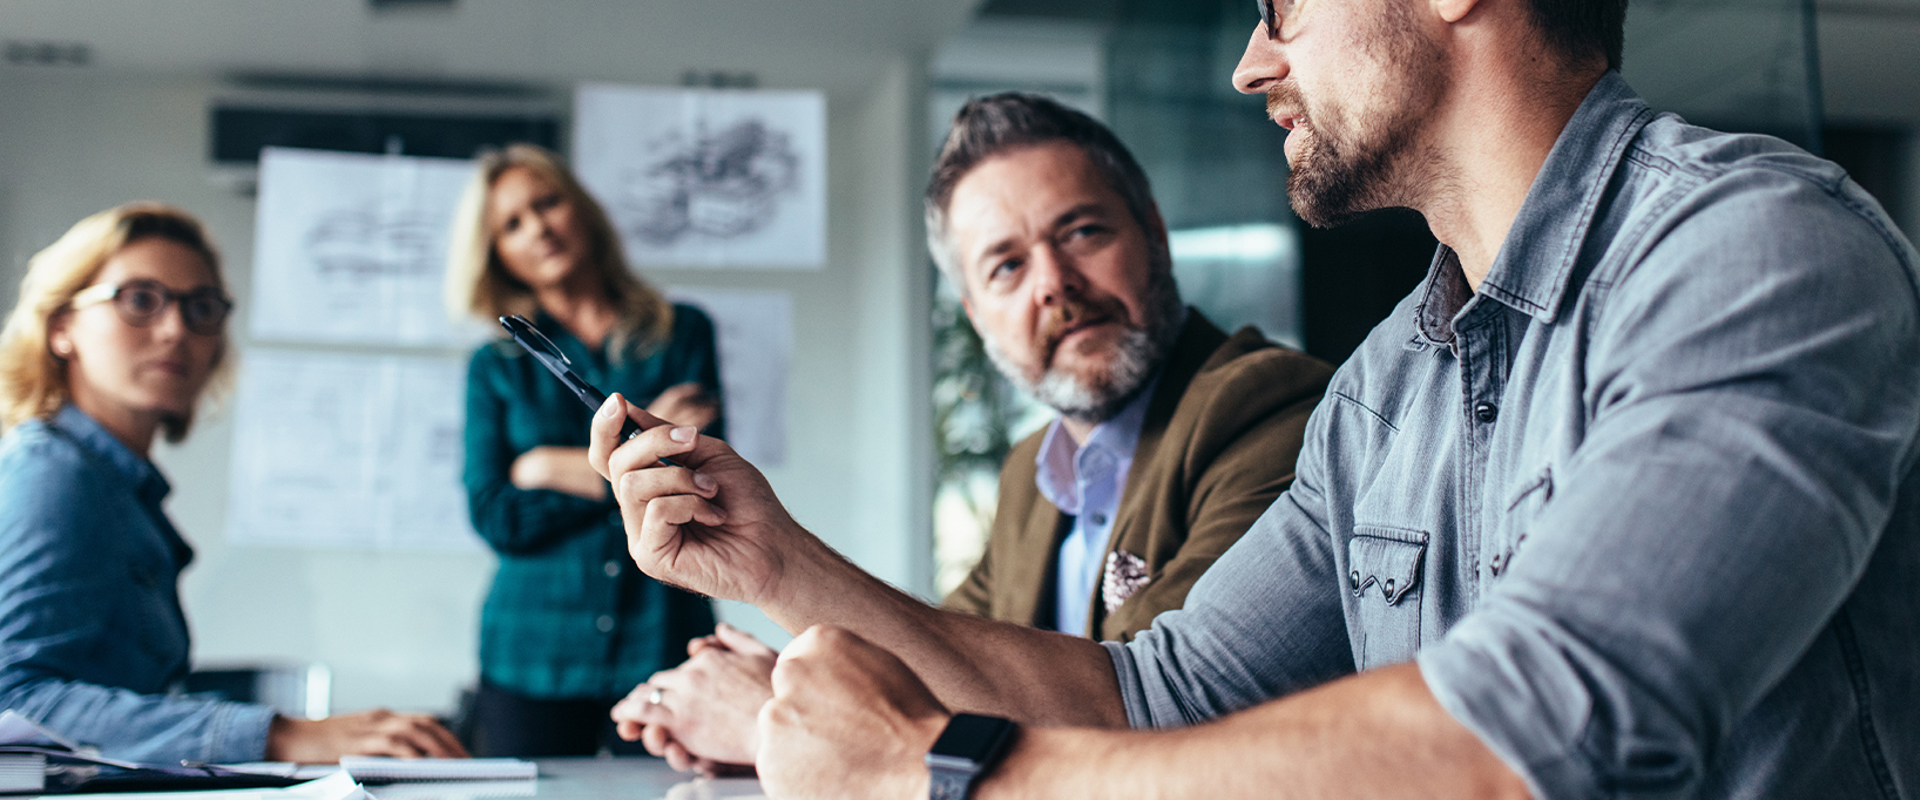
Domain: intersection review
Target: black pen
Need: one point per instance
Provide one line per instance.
(548, 354)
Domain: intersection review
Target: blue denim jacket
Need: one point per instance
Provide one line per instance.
(91, 632)
(1644, 508)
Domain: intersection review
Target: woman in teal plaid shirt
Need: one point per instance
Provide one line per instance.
(569, 625)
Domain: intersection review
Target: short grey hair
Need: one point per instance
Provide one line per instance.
(989, 126)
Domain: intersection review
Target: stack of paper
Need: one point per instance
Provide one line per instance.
(22, 772)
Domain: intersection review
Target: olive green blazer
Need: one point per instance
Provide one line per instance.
(1216, 448)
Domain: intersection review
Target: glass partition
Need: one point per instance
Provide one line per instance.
(1158, 72)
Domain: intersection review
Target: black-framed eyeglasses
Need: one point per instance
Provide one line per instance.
(140, 302)
(1270, 18)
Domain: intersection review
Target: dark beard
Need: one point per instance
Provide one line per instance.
(1341, 176)
(1335, 182)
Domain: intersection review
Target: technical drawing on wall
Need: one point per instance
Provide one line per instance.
(704, 177)
(350, 248)
(753, 330)
(356, 242)
(723, 185)
(350, 451)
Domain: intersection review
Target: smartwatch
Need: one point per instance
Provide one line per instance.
(966, 750)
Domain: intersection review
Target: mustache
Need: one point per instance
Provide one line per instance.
(1074, 311)
(1285, 94)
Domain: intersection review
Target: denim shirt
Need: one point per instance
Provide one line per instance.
(1643, 509)
(1086, 483)
(91, 632)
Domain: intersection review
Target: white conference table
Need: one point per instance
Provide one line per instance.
(585, 778)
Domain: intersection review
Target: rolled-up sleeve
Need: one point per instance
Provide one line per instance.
(1264, 621)
(1754, 383)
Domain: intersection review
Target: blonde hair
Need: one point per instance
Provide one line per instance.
(33, 381)
(478, 284)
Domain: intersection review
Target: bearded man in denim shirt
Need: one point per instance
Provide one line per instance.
(1622, 501)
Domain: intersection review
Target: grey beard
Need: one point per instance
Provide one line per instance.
(1137, 356)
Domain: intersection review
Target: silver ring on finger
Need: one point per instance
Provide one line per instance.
(654, 697)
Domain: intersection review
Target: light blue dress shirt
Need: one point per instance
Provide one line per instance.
(1644, 509)
(1086, 483)
(91, 633)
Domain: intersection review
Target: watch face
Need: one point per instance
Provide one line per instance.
(972, 737)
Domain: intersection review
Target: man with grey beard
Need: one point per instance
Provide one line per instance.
(1172, 436)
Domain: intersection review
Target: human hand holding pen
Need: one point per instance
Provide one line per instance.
(705, 520)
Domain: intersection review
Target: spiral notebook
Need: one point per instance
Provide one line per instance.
(376, 769)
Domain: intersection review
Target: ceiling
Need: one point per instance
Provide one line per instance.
(1870, 49)
(838, 45)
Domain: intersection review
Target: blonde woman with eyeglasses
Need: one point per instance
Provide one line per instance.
(118, 334)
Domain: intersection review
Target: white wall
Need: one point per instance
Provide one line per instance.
(399, 629)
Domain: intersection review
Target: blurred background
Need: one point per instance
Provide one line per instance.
(890, 424)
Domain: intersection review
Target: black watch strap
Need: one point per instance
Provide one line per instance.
(969, 748)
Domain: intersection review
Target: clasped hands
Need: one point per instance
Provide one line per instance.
(703, 715)
(837, 716)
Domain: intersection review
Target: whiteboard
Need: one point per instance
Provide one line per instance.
(350, 451)
(707, 177)
(351, 248)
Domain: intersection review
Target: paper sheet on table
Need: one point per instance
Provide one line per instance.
(16, 728)
(421, 778)
(707, 177)
(352, 248)
(457, 790)
(348, 450)
(337, 786)
(755, 337)
(716, 789)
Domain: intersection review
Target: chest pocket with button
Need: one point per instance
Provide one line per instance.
(1383, 578)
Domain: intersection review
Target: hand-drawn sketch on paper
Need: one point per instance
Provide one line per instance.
(351, 248)
(754, 331)
(707, 177)
(348, 450)
(727, 184)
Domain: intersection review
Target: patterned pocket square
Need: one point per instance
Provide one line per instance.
(1125, 574)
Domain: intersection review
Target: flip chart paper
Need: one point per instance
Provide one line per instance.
(349, 450)
(755, 335)
(351, 248)
(707, 177)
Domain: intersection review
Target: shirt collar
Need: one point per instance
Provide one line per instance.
(148, 483)
(1535, 264)
(1058, 462)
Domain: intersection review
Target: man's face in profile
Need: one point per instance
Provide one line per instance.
(1074, 299)
(1354, 112)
